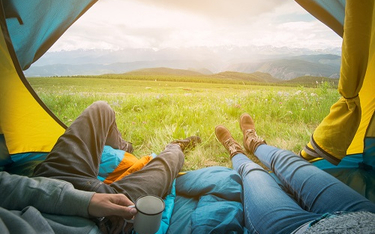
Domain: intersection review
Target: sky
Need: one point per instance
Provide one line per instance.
(158, 24)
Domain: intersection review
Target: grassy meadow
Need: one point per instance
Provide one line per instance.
(152, 112)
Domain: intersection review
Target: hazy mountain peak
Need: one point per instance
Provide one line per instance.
(279, 62)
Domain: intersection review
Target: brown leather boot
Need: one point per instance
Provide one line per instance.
(251, 140)
(226, 139)
(188, 143)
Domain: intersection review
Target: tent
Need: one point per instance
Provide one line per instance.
(343, 144)
(346, 136)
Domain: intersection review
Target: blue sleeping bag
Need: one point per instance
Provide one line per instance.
(208, 200)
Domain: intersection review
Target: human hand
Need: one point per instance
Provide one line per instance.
(105, 205)
(115, 207)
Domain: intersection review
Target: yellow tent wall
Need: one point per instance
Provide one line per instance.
(367, 97)
(28, 30)
(24, 120)
(344, 132)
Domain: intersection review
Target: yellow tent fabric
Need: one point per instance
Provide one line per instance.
(19, 106)
(349, 118)
(28, 29)
(367, 97)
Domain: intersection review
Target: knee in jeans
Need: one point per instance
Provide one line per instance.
(245, 168)
(286, 156)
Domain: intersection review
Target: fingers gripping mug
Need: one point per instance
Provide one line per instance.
(148, 218)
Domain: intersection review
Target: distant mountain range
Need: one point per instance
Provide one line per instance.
(167, 74)
(256, 77)
(203, 60)
(324, 65)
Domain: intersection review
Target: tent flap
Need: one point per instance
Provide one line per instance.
(331, 13)
(34, 26)
(335, 134)
(28, 29)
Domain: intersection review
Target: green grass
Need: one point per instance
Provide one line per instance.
(151, 112)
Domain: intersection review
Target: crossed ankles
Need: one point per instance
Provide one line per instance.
(251, 140)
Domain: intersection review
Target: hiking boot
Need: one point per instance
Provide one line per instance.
(251, 140)
(126, 146)
(187, 143)
(226, 139)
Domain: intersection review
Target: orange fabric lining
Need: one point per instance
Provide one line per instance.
(128, 165)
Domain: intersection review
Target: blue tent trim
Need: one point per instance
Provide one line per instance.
(357, 170)
(369, 153)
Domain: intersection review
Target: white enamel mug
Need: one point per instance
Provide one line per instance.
(150, 210)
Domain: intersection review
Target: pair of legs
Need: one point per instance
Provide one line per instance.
(77, 153)
(306, 193)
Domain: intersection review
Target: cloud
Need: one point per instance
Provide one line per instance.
(116, 24)
(220, 8)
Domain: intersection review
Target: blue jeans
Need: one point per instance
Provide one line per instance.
(306, 193)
